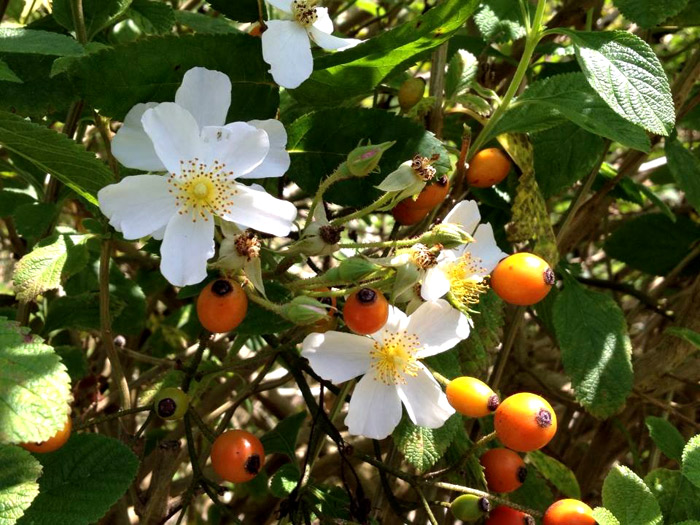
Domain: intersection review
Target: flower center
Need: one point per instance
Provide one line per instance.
(466, 281)
(395, 358)
(202, 190)
(305, 11)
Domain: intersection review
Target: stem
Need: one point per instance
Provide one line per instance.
(203, 427)
(426, 506)
(440, 378)
(76, 7)
(481, 494)
(533, 38)
(509, 339)
(118, 378)
(380, 244)
(261, 301)
(334, 177)
(115, 415)
(459, 464)
(437, 89)
(196, 360)
(364, 211)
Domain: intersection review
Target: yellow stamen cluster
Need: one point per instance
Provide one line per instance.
(202, 190)
(466, 279)
(395, 358)
(305, 11)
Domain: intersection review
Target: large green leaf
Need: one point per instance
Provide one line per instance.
(690, 16)
(556, 473)
(151, 69)
(423, 447)
(153, 17)
(97, 13)
(34, 387)
(691, 461)
(677, 497)
(649, 13)
(534, 493)
(551, 101)
(18, 486)
(627, 74)
(685, 168)
(56, 154)
(318, 145)
(629, 499)
(81, 481)
(500, 20)
(604, 517)
(283, 438)
(19, 40)
(340, 76)
(667, 437)
(595, 346)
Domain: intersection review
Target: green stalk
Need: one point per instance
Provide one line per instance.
(385, 199)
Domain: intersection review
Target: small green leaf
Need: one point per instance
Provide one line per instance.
(48, 264)
(556, 473)
(285, 480)
(81, 481)
(32, 41)
(691, 460)
(283, 438)
(624, 70)
(604, 517)
(461, 71)
(55, 153)
(647, 13)
(678, 498)
(7, 74)
(666, 437)
(500, 21)
(629, 499)
(423, 447)
(596, 349)
(689, 335)
(98, 14)
(34, 387)
(685, 168)
(18, 486)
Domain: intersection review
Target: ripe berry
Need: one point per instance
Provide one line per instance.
(503, 515)
(411, 92)
(471, 397)
(171, 403)
(433, 194)
(237, 456)
(222, 305)
(366, 311)
(469, 507)
(522, 279)
(569, 512)
(487, 168)
(406, 213)
(53, 443)
(504, 470)
(525, 422)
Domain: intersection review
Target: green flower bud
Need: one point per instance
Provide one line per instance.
(171, 403)
(363, 160)
(447, 234)
(304, 310)
(469, 507)
(356, 268)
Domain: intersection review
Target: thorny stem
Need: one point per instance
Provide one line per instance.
(334, 177)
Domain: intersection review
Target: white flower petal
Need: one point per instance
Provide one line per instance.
(175, 134)
(485, 248)
(206, 94)
(435, 284)
(438, 326)
(337, 356)
(187, 246)
(321, 31)
(286, 47)
(137, 206)
(465, 214)
(375, 409)
(425, 402)
(158, 234)
(239, 146)
(131, 146)
(260, 211)
(277, 161)
(396, 322)
(283, 5)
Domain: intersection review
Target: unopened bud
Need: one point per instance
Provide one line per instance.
(356, 268)
(304, 310)
(363, 160)
(447, 234)
(411, 92)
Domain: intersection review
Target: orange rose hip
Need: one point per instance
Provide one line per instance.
(525, 422)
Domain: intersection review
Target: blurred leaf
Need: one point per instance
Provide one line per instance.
(18, 482)
(81, 311)
(19, 40)
(7, 74)
(204, 24)
(75, 360)
(81, 481)
(423, 447)
(461, 71)
(500, 21)
(666, 437)
(685, 168)
(691, 461)
(689, 335)
(556, 473)
(445, 363)
(285, 480)
(596, 349)
(238, 10)
(34, 387)
(677, 497)
(153, 17)
(649, 14)
(283, 438)
(629, 499)
(690, 16)
(33, 220)
(98, 14)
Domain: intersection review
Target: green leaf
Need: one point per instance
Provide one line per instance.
(624, 70)
(285, 480)
(604, 517)
(18, 40)
(484, 337)
(677, 497)
(423, 447)
(151, 70)
(500, 21)
(666, 437)
(34, 219)
(18, 486)
(80, 311)
(691, 461)
(153, 17)
(461, 72)
(238, 10)
(552, 101)
(75, 360)
(596, 349)
(653, 243)
(98, 14)
(204, 24)
(318, 145)
(56, 154)
(82, 480)
(7, 74)
(564, 155)
(556, 473)
(690, 16)
(689, 335)
(260, 320)
(341, 76)
(283, 438)
(51, 261)
(629, 499)
(648, 13)
(34, 387)
(685, 168)
(534, 493)
(654, 198)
